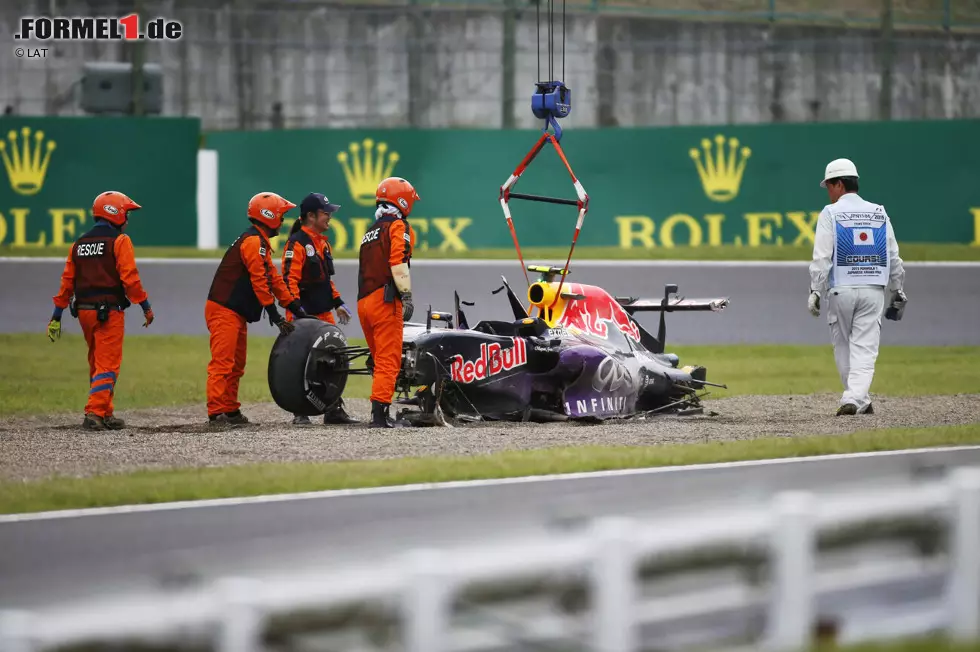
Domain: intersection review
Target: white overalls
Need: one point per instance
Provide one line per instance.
(855, 261)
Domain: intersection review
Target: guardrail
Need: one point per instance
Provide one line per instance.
(778, 572)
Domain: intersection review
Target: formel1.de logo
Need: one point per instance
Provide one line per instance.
(102, 28)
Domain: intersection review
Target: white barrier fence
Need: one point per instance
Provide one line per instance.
(207, 199)
(894, 561)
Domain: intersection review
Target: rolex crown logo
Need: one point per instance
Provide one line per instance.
(25, 165)
(721, 174)
(365, 172)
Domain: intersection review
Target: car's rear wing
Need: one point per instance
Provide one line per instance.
(666, 304)
(633, 304)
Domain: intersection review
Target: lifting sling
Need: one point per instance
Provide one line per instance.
(551, 100)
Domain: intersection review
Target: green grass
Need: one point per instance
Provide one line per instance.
(923, 644)
(263, 479)
(807, 369)
(38, 376)
(910, 252)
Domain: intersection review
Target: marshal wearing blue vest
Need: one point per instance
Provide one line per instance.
(855, 263)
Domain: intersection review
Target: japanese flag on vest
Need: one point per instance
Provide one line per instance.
(864, 237)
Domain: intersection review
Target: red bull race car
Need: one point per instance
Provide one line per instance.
(575, 353)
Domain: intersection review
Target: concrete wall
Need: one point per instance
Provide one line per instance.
(331, 66)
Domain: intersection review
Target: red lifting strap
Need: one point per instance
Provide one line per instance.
(506, 195)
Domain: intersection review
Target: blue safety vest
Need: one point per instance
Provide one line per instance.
(860, 243)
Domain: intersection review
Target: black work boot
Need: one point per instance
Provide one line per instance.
(218, 421)
(395, 423)
(93, 422)
(847, 409)
(113, 422)
(338, 415)
(379, 415)
(236, 418)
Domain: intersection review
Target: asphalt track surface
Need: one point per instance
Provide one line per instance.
(52, 560)
(768, 300)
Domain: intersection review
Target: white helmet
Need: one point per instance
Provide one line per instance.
(840, 167)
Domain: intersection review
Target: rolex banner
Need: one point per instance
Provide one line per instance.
(650, 187)
(55, 167)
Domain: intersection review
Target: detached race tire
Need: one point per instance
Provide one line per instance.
(306, 374)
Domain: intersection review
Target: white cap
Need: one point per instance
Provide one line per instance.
(839, 167)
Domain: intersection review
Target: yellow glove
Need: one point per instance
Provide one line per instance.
(54, 329)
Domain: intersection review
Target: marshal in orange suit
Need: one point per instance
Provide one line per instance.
(307, 267)
(101, 273)
(245, 284)
(384, 290)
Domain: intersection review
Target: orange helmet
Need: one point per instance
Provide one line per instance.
(269, 208)
(397, 192)
(114, 207)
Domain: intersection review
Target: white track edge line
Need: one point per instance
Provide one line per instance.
(482, 262)
(460, 484)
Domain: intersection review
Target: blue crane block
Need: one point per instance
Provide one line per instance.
(551, 100)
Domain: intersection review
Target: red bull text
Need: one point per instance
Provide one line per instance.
(494, 359)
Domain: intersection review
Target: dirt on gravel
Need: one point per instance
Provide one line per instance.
(37, 447)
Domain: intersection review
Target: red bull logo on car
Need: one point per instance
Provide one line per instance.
(494, 359)
(593, 314)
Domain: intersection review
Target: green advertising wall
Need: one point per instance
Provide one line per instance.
(646, 187)
(55, 167)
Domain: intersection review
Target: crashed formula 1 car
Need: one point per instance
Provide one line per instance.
(578, 353)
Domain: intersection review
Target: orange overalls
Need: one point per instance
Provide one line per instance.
(307, 267)
(101, 269)
(245, 283)
(388, 242)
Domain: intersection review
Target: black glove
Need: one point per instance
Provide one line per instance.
(296, 308)
(896, 309)
(408, 308)
(276, 320)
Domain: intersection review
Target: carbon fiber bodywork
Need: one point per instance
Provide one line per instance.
(583, 358)
(577, 354)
